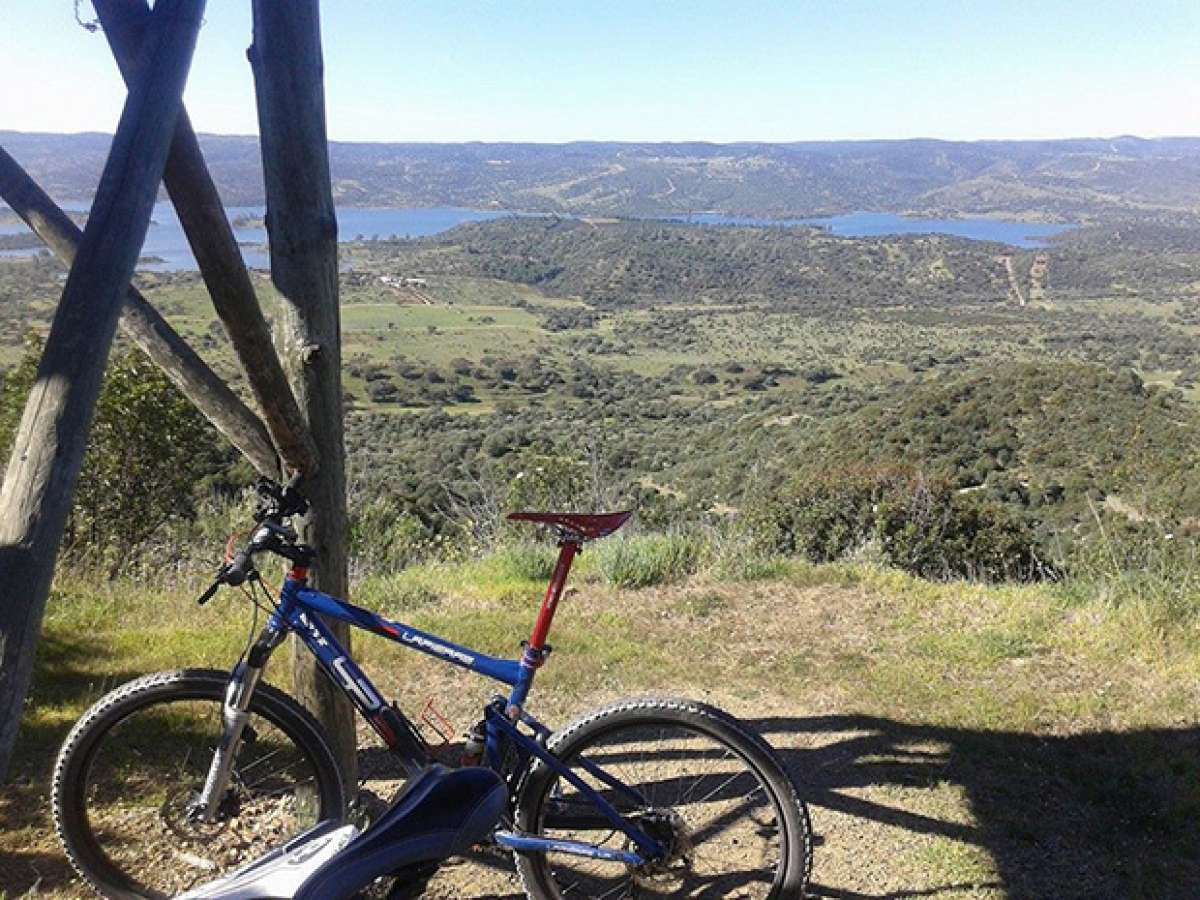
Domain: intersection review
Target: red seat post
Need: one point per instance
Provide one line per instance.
(541, 629)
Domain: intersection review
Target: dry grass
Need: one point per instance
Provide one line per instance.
(954, 740)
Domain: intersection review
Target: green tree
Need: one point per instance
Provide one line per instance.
(14, 388)
(148, 451)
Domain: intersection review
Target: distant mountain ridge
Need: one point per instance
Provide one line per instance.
(1069, 179)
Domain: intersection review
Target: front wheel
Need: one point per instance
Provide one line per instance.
(709, 789)
(129, 772)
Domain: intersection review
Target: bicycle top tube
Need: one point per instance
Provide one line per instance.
(296, 599)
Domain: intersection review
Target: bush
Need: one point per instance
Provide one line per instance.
(383, 391)
(546, 481)
(918, 525)
(384, 537)
(645, 560)
(149, 450)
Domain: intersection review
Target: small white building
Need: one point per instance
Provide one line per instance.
(398, 281)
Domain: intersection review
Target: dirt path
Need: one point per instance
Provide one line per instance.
(890, 821)
(1014, 286)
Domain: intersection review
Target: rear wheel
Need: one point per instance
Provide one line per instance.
(131, 768)
(709, 789)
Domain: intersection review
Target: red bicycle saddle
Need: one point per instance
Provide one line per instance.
(588, 527)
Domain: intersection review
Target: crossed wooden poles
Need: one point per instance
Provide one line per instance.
(299, 424)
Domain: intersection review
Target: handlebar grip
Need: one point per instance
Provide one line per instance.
(208, 595)
(236, 573)
(293, 503)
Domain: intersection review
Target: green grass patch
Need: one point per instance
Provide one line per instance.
(524, 561)
(648, 559)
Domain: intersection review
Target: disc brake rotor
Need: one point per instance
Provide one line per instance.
(668, 828)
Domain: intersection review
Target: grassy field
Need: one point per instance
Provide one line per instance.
(471, 317)
(954, 740)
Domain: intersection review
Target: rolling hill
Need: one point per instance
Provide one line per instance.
(1080, 179)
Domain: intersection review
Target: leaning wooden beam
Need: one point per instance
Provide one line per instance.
(146, 326)
(302, 226)
(50, 442)
(195, 196)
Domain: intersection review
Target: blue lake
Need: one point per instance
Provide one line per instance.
(167, 242)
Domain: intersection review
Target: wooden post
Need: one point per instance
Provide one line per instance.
(50, 442)
(146, 326)
(302, 227)
(203, 218)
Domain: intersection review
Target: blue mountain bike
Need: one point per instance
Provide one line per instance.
(175, 778)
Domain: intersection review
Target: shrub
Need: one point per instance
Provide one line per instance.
(919, 525)
(148, 451)
(384, 537)
(383, 391)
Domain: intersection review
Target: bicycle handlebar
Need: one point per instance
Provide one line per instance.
(276, 503)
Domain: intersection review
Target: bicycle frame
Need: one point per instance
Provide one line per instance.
(299, 610)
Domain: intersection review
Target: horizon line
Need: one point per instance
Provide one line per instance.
(626, 141)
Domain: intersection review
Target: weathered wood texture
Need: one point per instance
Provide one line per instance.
(146, 327)
(192, 191)
(50, 442)
(302, 226)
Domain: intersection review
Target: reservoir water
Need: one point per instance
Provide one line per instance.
(166, 247)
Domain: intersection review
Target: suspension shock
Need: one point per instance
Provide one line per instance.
(234, 714)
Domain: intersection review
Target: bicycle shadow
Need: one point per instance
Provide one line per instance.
(1096, 815)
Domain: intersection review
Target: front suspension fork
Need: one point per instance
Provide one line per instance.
(235, 712)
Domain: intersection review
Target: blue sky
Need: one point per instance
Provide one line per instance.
(526, 70)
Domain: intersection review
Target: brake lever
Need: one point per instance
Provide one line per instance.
(293, 503)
